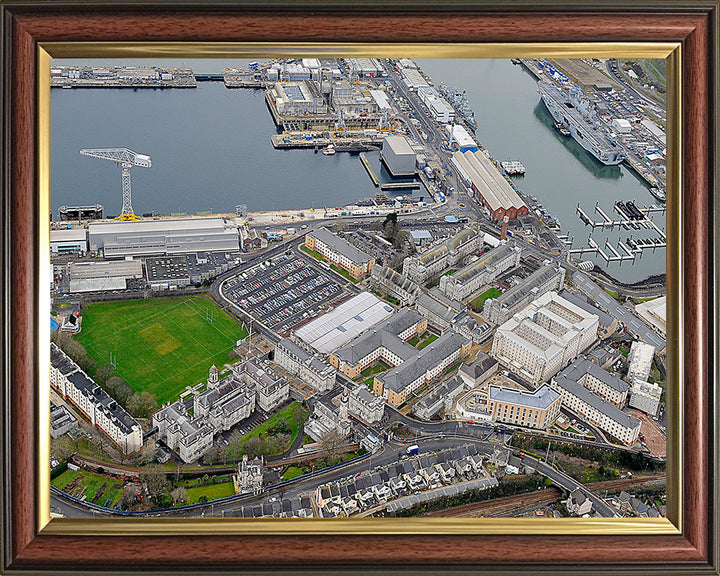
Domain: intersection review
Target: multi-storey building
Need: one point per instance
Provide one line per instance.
(102, 410)
(537, 409)
(309, 367)
(219, 407)
(499, 310)
(188, 436)
(384, 279)
(340, 252)
(441, 397)
(607, 325)
(364, 405)
(610, 388)
(397, 384)
(477, 374)
(296, 98)
(422, 267)
(543, 338)
(385, 342)
(646, 397)
(589, 405)
(438, 308)
(327, 420)
(270, 390)
(640, 361)
(484, 270)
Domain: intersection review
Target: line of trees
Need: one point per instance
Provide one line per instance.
(138, 404)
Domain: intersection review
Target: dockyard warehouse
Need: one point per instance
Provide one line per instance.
(398, 155)
(330, 331)
(73, 240)
(119, 239)
(491, 187)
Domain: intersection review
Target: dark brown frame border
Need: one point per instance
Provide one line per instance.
(693, 24)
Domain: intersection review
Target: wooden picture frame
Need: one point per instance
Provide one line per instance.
(31, 545)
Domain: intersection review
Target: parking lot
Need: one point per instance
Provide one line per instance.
(283, 293)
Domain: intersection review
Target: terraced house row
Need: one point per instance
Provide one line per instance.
(102, 410)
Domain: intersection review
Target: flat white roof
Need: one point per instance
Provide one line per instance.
(104, 269)
(399, 144)
(381, 99)
(460, 135)
(169, 224)
(98, 284)
(72, 235)
(332, 330)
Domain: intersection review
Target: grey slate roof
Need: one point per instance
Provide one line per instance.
(482, 364)
(410, 370)
(581, 302)
(583, 366)
(610, 410)
(340, 245)
(117, 413)
(385, 334)
(541, 398)
(513, 295)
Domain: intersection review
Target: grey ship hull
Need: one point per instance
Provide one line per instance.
(581, 131)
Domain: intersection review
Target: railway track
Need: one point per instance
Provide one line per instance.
(515, 505)
(499, 507)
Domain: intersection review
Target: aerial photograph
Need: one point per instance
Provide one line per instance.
(334, 287)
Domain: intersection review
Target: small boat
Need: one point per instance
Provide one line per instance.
(658, 193)
(329, 151)
(513, 167)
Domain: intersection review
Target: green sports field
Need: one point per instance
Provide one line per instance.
(161, 344)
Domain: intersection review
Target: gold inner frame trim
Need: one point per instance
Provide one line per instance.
(360, 526)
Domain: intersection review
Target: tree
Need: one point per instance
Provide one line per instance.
(391, 217)
(141, 404)
(74, 350)
(103, 373)
(255, 446)
(179, 495)
(399, 238)
(120, 390)
(155, 480)
(333, 444)
(298, 414)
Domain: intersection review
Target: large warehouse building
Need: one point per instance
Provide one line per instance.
(330, 331)
(491, 187)
(72, 240)
(156, 237)
(398, 155)
(99, 275)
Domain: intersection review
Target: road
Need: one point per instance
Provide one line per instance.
(624, 315)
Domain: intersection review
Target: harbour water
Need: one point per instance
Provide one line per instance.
(211, 150)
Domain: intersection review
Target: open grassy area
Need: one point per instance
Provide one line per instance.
(613, 294)
(429, 340)
(286, 413)
(162, 344)
(479, 302)
(376, 368)
(212, 492)
(344, 273)
(292, 472)
(312, 253)
(450, 272)
(95, 488)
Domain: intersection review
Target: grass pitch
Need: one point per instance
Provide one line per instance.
(160, 345)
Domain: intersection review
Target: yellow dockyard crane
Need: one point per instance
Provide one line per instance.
(127, 159)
